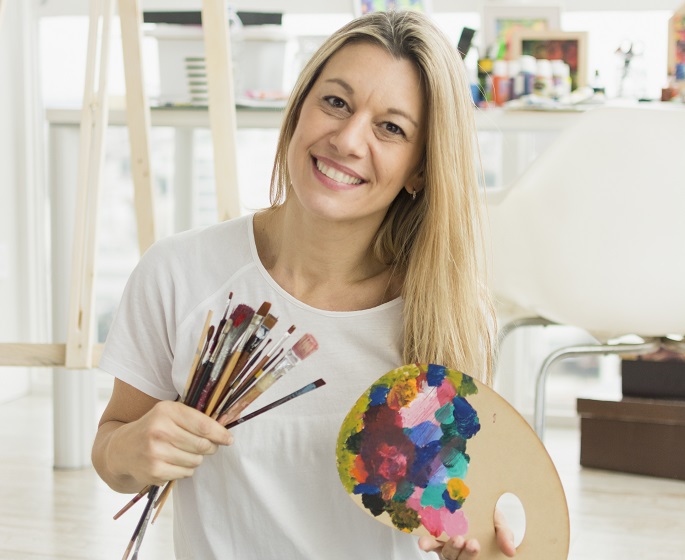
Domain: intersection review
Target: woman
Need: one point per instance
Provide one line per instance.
(371, 245)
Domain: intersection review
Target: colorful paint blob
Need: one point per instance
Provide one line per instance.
(402, 448)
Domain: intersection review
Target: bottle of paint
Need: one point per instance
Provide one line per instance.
(561, 79)
(501, 84)
(598, 85)
(543, 78)
(485, 80)
(515, 79)
(680, 79)
(528, 69)
(471, 64)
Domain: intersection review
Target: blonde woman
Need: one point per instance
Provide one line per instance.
(371, 243)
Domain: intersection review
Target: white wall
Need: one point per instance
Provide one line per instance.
(65, 7)
(20, 176)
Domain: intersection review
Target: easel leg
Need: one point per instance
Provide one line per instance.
(222, 113)
(94, 117)
(138, 118)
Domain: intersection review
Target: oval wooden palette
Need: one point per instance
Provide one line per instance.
(429, 451)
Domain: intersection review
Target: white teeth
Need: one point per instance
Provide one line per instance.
(337, 175)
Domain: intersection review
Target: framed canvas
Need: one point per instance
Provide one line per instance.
(676, 40)
(501, 22)
(569, 46)
(367, 6)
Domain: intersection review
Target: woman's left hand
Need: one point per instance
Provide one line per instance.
(468, 549)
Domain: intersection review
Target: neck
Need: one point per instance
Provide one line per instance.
(328, 265)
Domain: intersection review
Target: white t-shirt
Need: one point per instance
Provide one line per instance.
(275, 493)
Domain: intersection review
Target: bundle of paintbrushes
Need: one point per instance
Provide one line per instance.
(235, 362)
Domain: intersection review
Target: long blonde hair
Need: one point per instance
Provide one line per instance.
(447, 313)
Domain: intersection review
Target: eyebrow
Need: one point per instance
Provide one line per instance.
(350, 91)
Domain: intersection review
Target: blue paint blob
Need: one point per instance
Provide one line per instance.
(424, 433)
(366, 489)
(450, 504)
(378, 395)
(420, 472)
(439, 475)
(435, 375)
(466, 418)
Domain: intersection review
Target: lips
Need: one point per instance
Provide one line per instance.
(336, 174)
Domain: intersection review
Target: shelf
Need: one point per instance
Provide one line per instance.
(496, 119)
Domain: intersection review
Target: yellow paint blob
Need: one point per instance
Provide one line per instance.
(458, 491)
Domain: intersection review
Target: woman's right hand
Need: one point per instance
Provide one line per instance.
(143, 441)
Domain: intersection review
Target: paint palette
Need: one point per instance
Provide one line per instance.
(429, 450)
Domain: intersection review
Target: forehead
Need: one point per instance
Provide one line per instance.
(370, 68)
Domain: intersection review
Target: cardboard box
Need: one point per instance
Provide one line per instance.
(640, 436)
(652, 379)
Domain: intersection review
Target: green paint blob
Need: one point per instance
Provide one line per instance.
(445, 414)
(459, 466)
(432, 496)
(404, 491)
(404, 518)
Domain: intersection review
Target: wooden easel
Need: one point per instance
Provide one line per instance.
(81, 350)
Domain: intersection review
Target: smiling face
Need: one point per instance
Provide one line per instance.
(360, 135)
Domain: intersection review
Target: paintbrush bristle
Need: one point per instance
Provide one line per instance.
(241, 313)
(264, 309)
(305, 346)
(269, 321)
(319, 383)
(291, 329)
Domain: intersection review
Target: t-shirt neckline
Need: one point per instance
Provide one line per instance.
(289, 297)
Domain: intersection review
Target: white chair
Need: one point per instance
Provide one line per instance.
(592, 235)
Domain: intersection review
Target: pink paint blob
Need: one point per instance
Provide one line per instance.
(421, 409)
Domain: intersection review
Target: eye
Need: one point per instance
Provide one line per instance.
(335, 102)
(393, 129)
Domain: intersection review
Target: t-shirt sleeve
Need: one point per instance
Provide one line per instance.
(140, 344)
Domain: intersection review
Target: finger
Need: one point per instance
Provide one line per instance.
(453, 548)
(200, 425)
(470, 550)
(505, 538)
(429, 544)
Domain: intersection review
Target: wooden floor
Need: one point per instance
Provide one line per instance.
(48, 514)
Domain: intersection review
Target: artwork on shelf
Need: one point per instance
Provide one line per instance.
(501, 22)
(367, 6)
(676, 43)
(569, 46)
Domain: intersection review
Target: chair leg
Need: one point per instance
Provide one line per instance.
(646, 347)
(511, 326)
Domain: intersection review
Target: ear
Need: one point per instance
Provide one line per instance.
(415, 183)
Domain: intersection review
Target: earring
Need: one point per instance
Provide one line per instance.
(413, 195)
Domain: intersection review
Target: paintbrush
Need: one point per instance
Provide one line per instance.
(132, 502)
(302, 349)
(256, 370)
(240, 320)
(161, 499)
(241, 371)
(143, 520)
(207, 333)
(204, 369)
(315, 385)
(251, 345)
(227, 373)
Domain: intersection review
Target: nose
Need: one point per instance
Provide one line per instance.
(351, 137)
